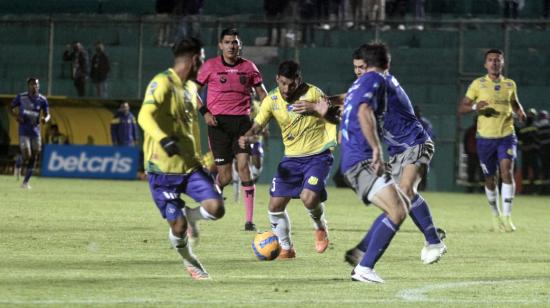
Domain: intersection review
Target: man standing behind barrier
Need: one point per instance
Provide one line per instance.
(29, 105)
(171, 145)
(100, 70)
(124, 131)
(230, 78)
(494, 98)
(79, 70)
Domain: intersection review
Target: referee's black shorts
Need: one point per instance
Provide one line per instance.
(224, 138)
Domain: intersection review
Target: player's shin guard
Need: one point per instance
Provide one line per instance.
(280, 225)
(381, 238)
(364, 244)
(492, 198)
(30, 168)
(249, 193)
(507, 198)
(317, 214)
(420, 214)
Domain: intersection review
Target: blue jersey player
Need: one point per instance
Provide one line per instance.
(411, 150)
(29, 106)
(362, 160)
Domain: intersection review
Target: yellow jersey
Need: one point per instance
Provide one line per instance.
(169, 109)
(303, 135)
(499, 94)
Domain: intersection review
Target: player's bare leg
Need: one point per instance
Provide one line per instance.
(280, 225)
(210, 209)
(29, 162)
(316, 211)
(508, 193)
(434, 248)
(178, 239)
(236, 182)
(249, 189)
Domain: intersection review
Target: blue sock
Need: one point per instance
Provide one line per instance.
(30, 167)
(366, 239)
(420, 214)
(381, 238)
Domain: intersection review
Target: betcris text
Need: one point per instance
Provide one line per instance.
(90, 161)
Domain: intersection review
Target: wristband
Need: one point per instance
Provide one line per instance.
(474, 107)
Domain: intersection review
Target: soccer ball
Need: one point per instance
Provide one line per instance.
(266, 246)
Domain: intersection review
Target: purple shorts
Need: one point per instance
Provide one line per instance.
(166, 190)
(492, 151)
(296, 173)
(256, 149)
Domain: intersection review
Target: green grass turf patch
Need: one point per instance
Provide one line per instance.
(71, 242)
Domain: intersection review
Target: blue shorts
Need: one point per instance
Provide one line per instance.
(166, 190)
(492, 151)
(256, 149)
(296, 173)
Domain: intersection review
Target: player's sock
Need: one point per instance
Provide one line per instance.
(180, 245)
(280, 224)
(30, 167)
(366, 239)
(420, 214)
(198, 213)
(507, 198)
(317, 214)
(381, 238)
(249, 192)
(492, 198)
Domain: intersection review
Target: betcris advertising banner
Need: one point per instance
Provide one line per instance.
(104, 162)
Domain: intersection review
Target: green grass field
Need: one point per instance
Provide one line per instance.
(84, 242)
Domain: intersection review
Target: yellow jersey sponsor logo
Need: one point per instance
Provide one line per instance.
(313, 180)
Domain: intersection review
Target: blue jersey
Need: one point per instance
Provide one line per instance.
(124, 129)
(402, 129)
(29, 113)
(370, 89)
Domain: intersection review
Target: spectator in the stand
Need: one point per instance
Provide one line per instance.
(124, 131)
(543, 136)
(78, 56)
(356, 14)
(308, 13)
(100, 70)
(54, 136)
(376, 11)
(164, 8)
(274, 10)
(511, 8)
(186, 14)
(473, 169)
(528, 143)
(419, 13)
(397, 10)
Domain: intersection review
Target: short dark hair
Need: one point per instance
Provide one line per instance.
(374, 54)
(357, 54)
(31, 79)
(289, 69)
(187, 46)
(229, 31)
(494, 50)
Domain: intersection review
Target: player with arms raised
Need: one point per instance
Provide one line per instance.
(494, 98)
(303, 171)
(172, 155)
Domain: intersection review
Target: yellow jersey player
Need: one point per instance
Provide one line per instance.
(303, 171)
(494, 98)
(172, 156)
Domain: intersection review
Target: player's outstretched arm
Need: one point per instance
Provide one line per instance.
(467, 105)
(251, 136)
(367, 121)
(518, 110)
(323, 108)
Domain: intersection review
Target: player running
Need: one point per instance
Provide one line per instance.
(494, 98)
(411, 150)
(29, 106)
(172, 154)
(229, 78)
(303, 171)
(362, 160)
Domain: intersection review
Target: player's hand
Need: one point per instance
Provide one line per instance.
(378, 166)
(481, 104)
(169, 145)
(47, 118)
(243, 142)
(521, 115)
(210, 119)
(304, 107)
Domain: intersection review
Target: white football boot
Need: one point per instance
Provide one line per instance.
(365, 274)
(431, 253)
